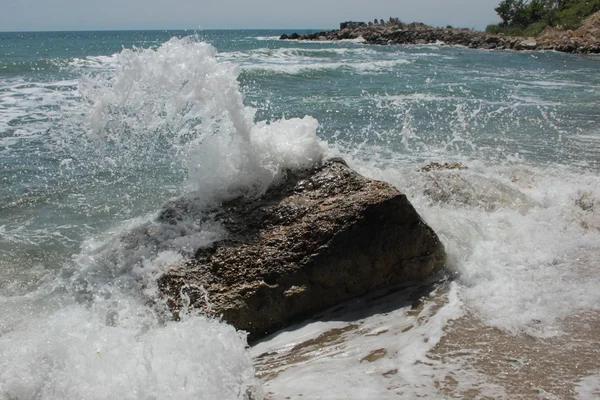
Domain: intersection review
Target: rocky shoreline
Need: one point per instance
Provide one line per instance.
(585, 40)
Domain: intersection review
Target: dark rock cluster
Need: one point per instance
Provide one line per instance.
(584, 40)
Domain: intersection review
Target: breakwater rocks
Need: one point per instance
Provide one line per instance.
(320, 237)
(584, 40)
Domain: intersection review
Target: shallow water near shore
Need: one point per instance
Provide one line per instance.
(99, 129)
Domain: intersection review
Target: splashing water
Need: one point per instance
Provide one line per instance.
(95, 145)
(174, 102)
(183, 95)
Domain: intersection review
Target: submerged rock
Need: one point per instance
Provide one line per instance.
(451, 183)
(436, 166)
(587, 210)
(319, 237)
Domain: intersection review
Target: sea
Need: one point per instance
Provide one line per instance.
(98, 130)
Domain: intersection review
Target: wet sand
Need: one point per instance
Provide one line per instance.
(470, 361)
(525, 367)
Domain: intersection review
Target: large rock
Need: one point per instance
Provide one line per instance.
(526, 44)
(318, 238)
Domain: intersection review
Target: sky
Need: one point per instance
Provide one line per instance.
(52, 15)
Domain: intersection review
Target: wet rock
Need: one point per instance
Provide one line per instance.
(527, 44)
(456, 186)
(319, 237)
(587, 212)
(351, 24)
(436, 166)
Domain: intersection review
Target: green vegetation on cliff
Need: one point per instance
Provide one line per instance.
(530, 17)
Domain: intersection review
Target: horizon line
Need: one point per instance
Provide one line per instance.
(163, 30)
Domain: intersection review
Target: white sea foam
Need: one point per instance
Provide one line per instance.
(263, 37)
(383, 354)
(365, 68)
(358, 40)
(87, 334)
(302, 60)
(98, 63)
(117, 348)
(28, 108)
(524, 242)
(588, 388)
(523, 264)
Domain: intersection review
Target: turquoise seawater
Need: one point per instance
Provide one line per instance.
(99, 129)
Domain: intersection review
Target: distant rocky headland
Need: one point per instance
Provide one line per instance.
(585, 39)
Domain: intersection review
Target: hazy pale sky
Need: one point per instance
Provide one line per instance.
(35, 15)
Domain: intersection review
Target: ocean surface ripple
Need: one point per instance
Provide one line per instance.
(99, 129)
